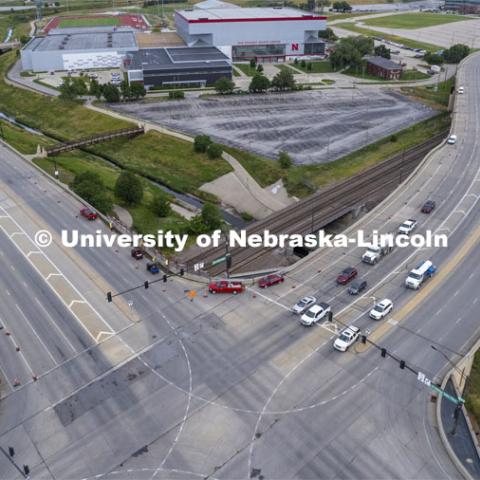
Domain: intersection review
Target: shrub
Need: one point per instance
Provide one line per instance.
(129, 188)
(214, 151)
(201, 143)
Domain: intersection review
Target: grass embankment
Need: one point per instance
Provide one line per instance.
(472, 390)
(163, 158)
(414, 20)
(432, 95)
(321, 66)
(24, 142)
(429, 47)
(18, 22)
(246, 69)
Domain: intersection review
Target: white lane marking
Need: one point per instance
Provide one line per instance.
(55, 325)
(475, 300)
(458, 320)
(36, 334)
(255, 292)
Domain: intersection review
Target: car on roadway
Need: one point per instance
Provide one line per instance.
(429, 206)
(153, 268)
(303, 304)
(225, 286)
(357, 286)
(346, 275)
(270, 280)
(315, 313)
(407, 227)
(461, 90)
(452, 140)
(381, 309)
(348, 336)
(136, 253)
(88, 213)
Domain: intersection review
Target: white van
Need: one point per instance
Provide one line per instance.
(418, 275)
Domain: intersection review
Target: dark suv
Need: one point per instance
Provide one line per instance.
(357, 286)
(428, 206)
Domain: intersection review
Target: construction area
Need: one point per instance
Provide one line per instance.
(313, 126)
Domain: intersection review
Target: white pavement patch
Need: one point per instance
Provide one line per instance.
(88, 317)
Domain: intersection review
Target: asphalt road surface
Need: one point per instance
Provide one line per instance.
(314, 126)
(234, 387)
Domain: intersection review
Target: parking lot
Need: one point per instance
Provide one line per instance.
(313, 126)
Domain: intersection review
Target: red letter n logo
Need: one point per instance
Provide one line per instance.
(294, 47)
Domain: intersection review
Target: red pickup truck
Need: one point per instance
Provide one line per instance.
(88, 214)
(224, 286)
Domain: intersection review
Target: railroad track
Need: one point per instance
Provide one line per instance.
(323, 207)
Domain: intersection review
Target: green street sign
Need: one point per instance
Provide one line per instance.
(455, 400)
(218, 260)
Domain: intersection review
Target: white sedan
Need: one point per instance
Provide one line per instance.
(347, 337)
(381, 309)
(315, 314)
(452, 139)
(303, 304)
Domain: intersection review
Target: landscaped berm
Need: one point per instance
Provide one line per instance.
(74, 21)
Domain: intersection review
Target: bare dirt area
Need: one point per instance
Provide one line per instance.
(313, 126)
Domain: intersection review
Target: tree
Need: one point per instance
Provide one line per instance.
(176, 95)
(310, 5)
(214, 151)
(341, 6)
(67, 90)
(211, 216)
(161, 206)
(137, 90)
(433, 58)
(259, 83)
(382, 51)
(303, 63)
(95, 89)
(224, 86)
(125, 89)
(309, 67)
(328, 34)
(111, 93)
(129, 188)
(456, 53)
(90, 187)
(260, 68)
(253, 63)
(201, 143)
(364, 45)
(347, 54)
(283, 80)
(323, 4)
(284, 160)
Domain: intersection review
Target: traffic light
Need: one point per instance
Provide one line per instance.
(109, 297)
(384, 352)
(402, 364)
(364, 339)
(164, 278)
(330, 316)
(182, 271)
(146, 284)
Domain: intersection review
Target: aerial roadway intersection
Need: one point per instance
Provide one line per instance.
(309, 374)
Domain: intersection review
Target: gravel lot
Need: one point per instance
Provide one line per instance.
(313, 126)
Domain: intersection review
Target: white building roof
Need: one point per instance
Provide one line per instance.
(245, 14)
(210, 4)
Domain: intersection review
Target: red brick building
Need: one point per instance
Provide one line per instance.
(384, 68)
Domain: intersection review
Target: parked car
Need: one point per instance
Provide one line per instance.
(357, 286)
(347, 275)
(347, 337)
(407, 227)
(461, 90)
(452, 140)
(153, 268)
(136, 253)
(88, 213)
(224, 286)
(303, 304)
(270, 280)
(428, 206)
(315, 313)
(381, 309)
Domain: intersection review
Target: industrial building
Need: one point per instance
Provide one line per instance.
(177, 66)
(265, 34)
(79, 48)
(463, 6)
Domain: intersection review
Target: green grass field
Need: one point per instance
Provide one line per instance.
(429, 47)
(88, 22)
(414, 20)
(246, 69)
(322, 66)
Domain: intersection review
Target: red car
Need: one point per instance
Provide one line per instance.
(224, 286)
(270, 280)
(347, 275)
(88, 214)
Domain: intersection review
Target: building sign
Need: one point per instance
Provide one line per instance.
(294, 47)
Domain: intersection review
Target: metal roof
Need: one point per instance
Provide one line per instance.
(84, 41)
(384, 63)
(270, 13)
(164, 58)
